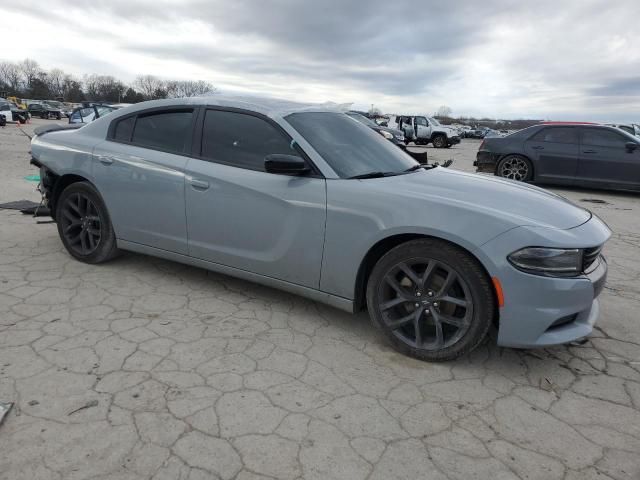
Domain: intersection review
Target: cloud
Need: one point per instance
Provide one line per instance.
(496, 57)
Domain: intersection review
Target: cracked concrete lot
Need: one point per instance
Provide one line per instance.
(146, 369)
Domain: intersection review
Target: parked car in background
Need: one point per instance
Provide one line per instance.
(18, 114)
(490, 133)
(423, 130)
(631, 128)
(91, 113)
(478, 132)
(45, 111)
(5, 112)
(64, 108)
(394, 135)
(308, 200)
(587, 155)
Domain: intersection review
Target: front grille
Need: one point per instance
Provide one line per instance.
(589, 256)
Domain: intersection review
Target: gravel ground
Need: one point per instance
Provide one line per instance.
(142, 368)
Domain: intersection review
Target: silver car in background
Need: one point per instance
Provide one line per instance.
(304, 199)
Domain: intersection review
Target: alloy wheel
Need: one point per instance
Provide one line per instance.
(81, 224)
(514, 168)
(425, 303)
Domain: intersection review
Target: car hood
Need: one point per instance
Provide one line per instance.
(393, 131)
(519, 203)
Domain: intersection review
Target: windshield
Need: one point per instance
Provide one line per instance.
(349, 147)
(434, 121)
(362, 119)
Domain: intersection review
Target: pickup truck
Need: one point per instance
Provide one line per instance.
(423, 130)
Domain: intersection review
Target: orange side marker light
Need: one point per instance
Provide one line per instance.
(499, 293)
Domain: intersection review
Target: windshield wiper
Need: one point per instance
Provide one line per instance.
(371, 175)
(416, 167)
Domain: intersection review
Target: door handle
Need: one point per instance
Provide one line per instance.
(199, 184)
(105, 160)
(538, 147)
(589, 151)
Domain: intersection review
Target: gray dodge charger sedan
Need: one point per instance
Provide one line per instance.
(309, 200)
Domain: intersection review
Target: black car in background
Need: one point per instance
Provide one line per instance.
(44, 110)
(393, 135)
(580, 154)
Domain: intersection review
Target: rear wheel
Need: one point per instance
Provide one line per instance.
(432, 300)
(439, 141)
(84, 224)
(515, 167)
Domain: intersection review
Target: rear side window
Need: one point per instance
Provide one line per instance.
(124, 129)
(601, 137)
(170, 131)
(241, 140)
(557, 135)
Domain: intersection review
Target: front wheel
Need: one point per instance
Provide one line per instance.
(439, 141)
(84, 225)
(515, 167)
(432, 300)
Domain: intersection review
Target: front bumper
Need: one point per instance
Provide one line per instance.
(542, 311)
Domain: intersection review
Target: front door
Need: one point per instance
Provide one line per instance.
(140, 175)
(554, 152)
(605, 159)
(423, 131)
(240, 216)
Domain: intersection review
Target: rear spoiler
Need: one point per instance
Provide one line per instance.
(56, 128)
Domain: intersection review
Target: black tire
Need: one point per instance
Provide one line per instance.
(439, 141)
(432, 302)
(44, 116)
(84, 224)
(515, 167)
(58, 117)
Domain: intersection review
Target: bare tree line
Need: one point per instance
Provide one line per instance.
(26, 79)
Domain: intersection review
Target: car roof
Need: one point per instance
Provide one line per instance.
(568, 123)
(265, 105)
(270, 107)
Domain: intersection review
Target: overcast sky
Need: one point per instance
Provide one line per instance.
(562, 59)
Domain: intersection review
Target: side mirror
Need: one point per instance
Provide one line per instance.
(285, 164)
(631, 146)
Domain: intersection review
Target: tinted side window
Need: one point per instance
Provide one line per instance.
(557, 135)
(602, 138)
(169, 131)
(124, 129)
(241, 140)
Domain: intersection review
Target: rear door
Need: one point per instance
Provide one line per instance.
(240, 216)
(554, 153)
(605, 159)
(140, 173)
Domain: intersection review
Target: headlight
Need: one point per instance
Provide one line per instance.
(386, 135)
(400, 137)
(550, 262)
